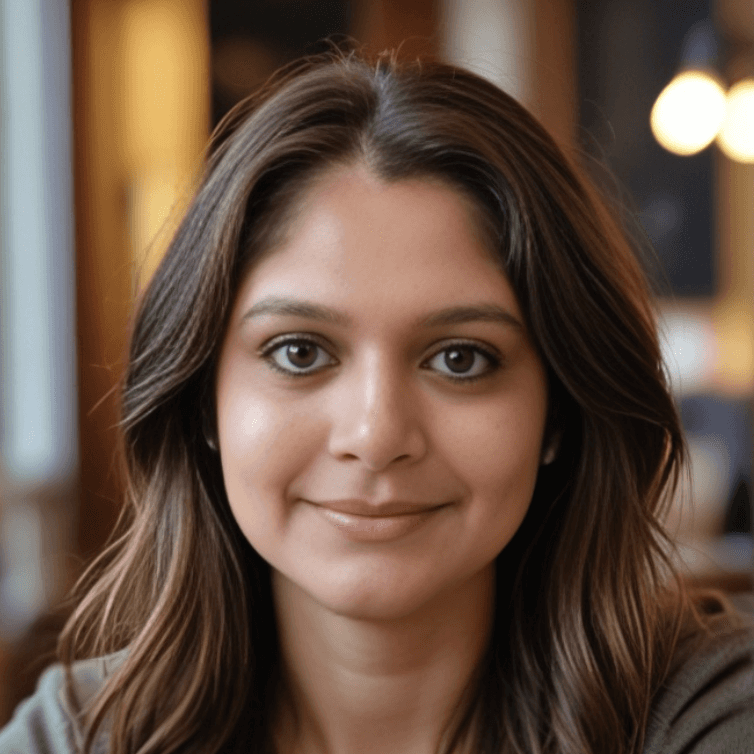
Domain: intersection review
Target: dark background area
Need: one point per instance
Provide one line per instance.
(628, 52)
(250, 40)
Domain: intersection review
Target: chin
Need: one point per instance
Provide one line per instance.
(366, 597)
(384, 597)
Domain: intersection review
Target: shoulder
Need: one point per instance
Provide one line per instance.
(45, 723)
(706, 704)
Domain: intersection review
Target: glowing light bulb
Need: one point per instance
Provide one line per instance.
(688, 113)
(736, 138)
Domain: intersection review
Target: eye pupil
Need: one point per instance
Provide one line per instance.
(301, 354)
(459, 359)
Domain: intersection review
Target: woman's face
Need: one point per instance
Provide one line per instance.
(380, 407)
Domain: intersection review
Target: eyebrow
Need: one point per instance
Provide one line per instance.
(452, 315)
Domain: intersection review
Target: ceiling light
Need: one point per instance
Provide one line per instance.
(736, 138)
(689, 112)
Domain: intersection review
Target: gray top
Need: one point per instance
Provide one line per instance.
(44, 723)
(705, 707)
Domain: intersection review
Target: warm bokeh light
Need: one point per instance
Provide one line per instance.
(688, 113)
(736, 137)
(734, 328)
(164, 63)
(164, 69)
(155, 204)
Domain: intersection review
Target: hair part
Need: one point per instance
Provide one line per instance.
(586, 618)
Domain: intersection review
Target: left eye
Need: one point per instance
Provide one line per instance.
(463, 362)
(298, 356)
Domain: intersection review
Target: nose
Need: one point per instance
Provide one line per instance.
(375, 418)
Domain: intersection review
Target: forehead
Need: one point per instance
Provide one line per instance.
(288, 205)
(349, 233)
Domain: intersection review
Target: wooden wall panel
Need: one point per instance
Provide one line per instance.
(554, 72)
(408, 25)
(103, 269)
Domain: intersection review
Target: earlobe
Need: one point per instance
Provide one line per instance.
(208, 431)
(210, 442)
(551, 448)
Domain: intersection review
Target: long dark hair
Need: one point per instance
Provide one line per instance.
(586, 617)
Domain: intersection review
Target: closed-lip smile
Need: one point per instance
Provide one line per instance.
(356, 507)
(362, 521)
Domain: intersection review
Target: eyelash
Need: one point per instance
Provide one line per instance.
(493, 360)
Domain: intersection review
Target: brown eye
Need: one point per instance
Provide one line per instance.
(301, 355)
(464, 362)
(298, 357)
(459, 359)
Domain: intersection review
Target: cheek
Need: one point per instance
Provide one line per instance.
(501, 494)
(497, 445)
(264, 444)
(495, 450)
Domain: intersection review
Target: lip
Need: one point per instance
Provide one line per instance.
(388, 508)
(366, 522)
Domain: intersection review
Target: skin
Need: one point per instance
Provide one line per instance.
(379, 636)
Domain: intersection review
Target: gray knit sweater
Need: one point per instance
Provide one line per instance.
(706, 705)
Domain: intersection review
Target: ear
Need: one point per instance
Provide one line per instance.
(211, 442)
(210, 436)
(551, 447)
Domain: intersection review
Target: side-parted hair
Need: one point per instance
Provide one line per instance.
(587, 613)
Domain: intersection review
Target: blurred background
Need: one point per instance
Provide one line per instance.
(106, 107)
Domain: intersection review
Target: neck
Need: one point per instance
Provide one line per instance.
(378, 685)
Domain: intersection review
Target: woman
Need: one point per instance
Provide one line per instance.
(398, 442)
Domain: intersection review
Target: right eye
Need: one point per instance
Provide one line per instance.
(297, 357)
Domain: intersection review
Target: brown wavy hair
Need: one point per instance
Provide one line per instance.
(586, 616)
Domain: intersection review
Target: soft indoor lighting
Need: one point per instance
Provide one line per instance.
(736, 138)
(688, 113)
